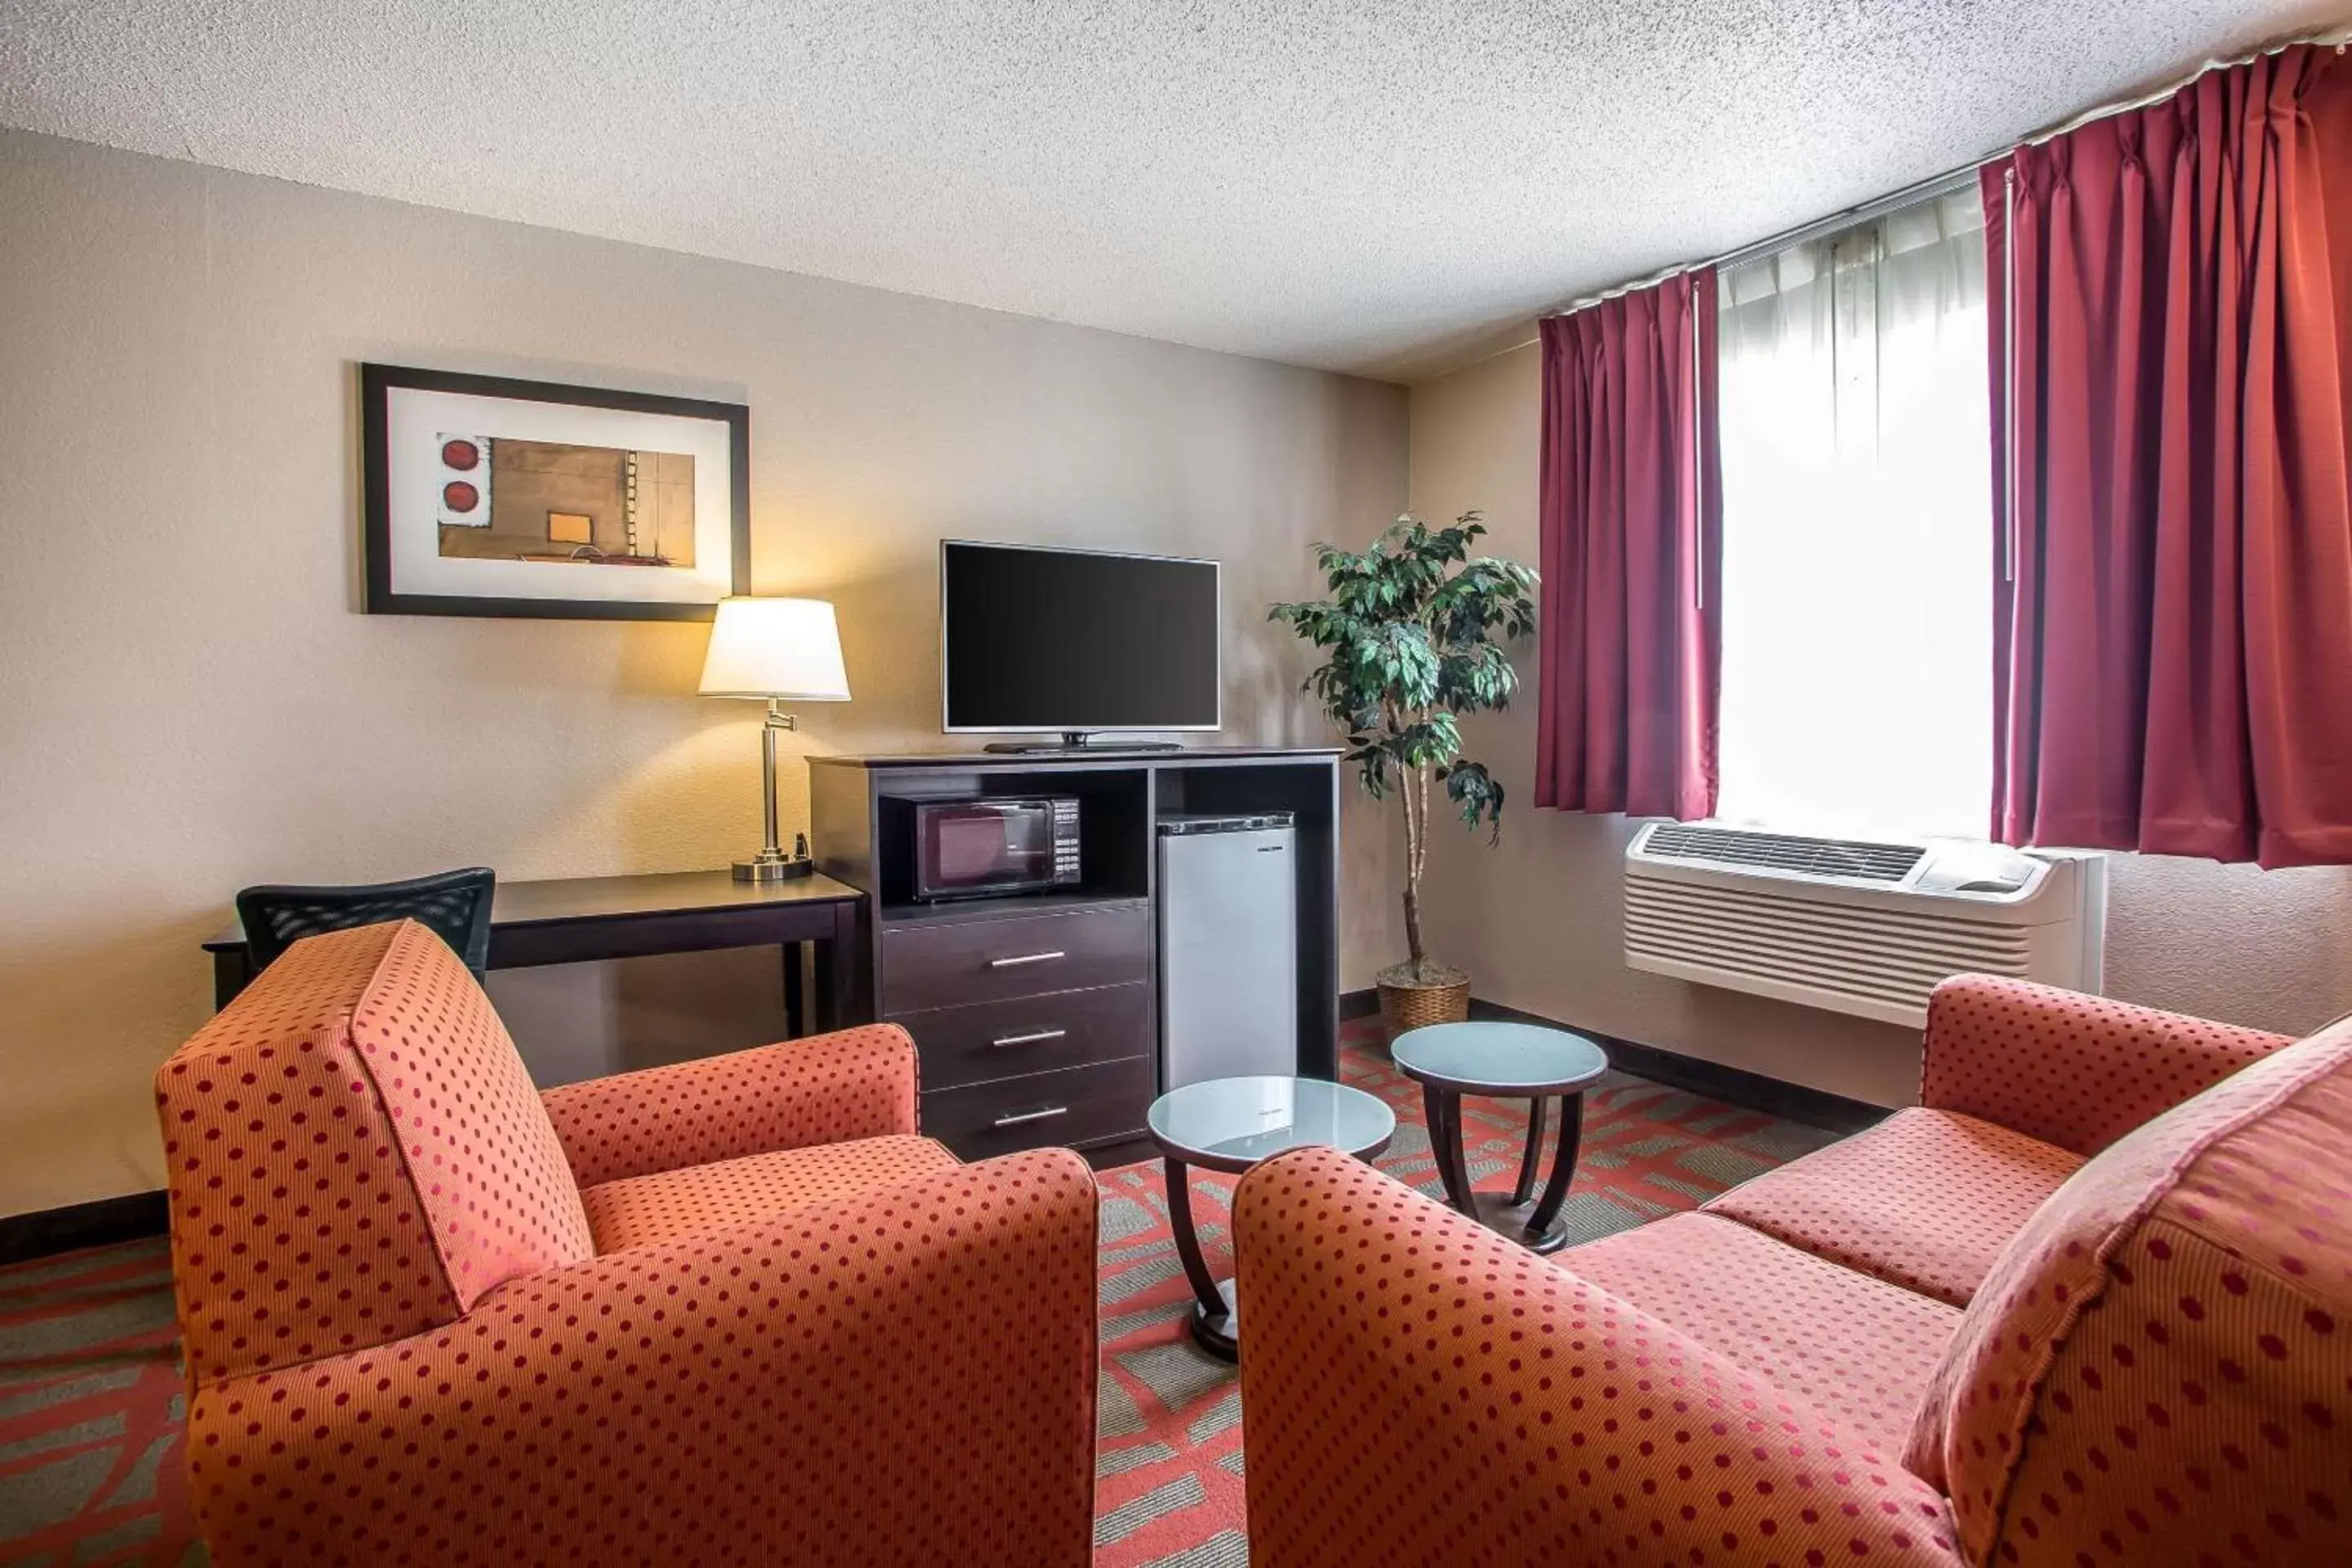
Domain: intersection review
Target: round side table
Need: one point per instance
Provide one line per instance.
(1230, 1124)
(1505, 1061)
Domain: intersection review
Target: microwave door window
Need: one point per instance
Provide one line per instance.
(968, 849)
(1029, 842)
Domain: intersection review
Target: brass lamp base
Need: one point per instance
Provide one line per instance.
(772, 864)
(765, 868)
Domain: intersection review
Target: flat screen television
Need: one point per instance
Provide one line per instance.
(1033, 638)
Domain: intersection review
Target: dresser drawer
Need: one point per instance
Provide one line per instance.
(989, 1040)
(1074, 1106)
(992, 960)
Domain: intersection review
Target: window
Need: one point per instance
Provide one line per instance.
(1857, 530)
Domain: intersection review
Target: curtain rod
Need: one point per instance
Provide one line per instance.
(1949, 181)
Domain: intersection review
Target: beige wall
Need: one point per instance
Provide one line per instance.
(190, 701)
(1537, 920)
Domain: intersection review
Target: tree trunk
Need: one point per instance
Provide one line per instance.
(1416, 830)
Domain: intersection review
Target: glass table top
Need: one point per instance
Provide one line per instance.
(1499, 1058)
(1231, 1123)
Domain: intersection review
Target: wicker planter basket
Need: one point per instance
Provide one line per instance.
(1406, 1003)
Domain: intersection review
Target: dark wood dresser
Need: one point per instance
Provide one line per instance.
(1036, 1013)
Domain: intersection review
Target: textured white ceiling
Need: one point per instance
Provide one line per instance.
(1378, 186)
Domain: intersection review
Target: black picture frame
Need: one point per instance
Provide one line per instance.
(376, 384)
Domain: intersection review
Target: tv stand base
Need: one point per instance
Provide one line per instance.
(1075, 740)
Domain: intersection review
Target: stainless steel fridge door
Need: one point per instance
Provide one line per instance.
(1228, 954)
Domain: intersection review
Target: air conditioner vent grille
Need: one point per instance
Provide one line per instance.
(1885, 959)
(1847, 860)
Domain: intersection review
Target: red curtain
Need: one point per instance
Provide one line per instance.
(1629, 518)
(2174, 650)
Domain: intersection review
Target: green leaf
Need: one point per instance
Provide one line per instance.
(1413, 633)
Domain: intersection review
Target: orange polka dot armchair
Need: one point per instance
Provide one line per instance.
(732, 1311)
(2088, 1306)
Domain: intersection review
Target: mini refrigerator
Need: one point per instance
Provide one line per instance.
(1228, 947)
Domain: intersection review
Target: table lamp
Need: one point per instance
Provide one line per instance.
(779, 651)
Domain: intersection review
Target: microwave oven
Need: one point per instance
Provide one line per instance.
(990, 845)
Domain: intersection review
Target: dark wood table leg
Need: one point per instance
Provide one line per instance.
(797, 1023)
(1442, 1108)
(1534, 1226)
(836, 970)
(232, 973)
(1530, 1161)
(1546, 1217)
(1216, 1322)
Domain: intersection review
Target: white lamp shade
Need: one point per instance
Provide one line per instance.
(775, 648)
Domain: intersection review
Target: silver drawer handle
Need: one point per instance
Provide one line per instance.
(1035, 1036)
(1016, 1121)
(1025, 958)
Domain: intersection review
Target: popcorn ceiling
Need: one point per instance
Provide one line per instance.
(1387, 188)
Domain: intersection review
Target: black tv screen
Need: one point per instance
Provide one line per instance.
(1037, 639)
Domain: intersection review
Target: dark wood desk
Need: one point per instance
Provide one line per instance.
(575, 920)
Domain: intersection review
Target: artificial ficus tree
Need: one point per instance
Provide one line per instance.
(1414, 631)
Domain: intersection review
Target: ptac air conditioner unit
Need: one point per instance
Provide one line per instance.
(1855, 927)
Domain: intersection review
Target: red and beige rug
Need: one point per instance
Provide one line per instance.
(91, 1401)
(1167, 1489)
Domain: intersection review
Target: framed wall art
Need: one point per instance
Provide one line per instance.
(487, 496)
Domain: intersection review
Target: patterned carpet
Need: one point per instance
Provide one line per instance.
(90, 1407)
(91, 1401)
(1168, 1492)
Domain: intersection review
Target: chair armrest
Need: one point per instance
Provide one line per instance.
(903, 1378)
(1417, 1389)
(2075, 1070)
(827, 1088)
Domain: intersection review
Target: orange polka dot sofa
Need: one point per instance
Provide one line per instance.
(2089, 1304)
(730, 1311)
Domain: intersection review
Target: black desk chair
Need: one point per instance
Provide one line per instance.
(455, 905)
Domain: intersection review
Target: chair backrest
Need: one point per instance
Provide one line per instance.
(355, 1155)
(454, 904)
(2159, 1366)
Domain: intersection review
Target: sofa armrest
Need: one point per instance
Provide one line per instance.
(2075, 1070)
(903, 1378)
(827, 1088)
(1417, 1389)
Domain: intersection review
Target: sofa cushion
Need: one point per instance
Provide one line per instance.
(318, 1209)
(2167, 1346)
(2075, 1070)
(1849, 1345)
(834, 1088)
(637, 1210)
(355, 1155)
(1926, 1200)
(488, 1168)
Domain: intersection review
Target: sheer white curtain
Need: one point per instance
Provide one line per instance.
(1857, 532)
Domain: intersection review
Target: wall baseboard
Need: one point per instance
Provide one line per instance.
(47, 1232)
(1695, 1075)
(1692, 1075)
